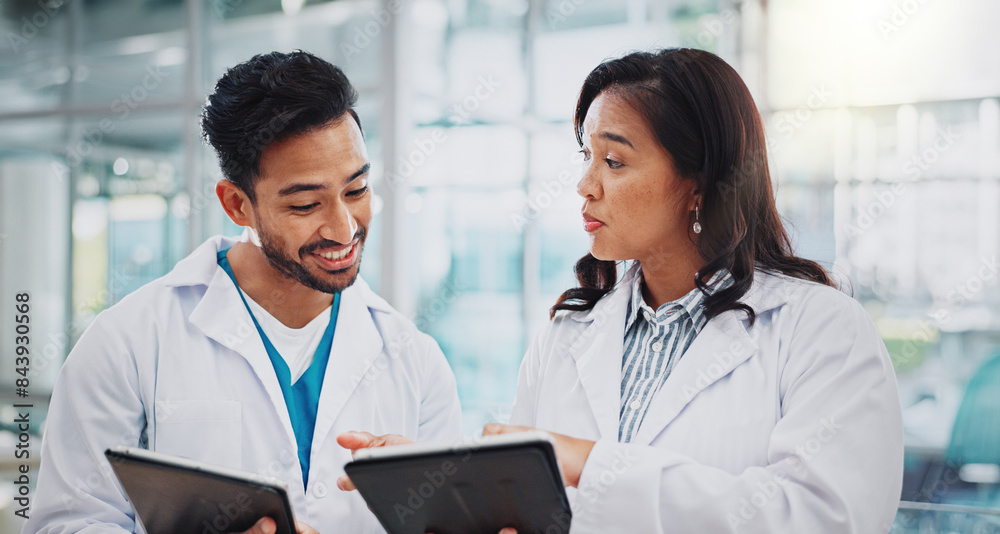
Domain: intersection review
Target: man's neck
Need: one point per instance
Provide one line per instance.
(288, 301)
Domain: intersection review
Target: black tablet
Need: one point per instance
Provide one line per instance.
(171, 494)
(509, 480)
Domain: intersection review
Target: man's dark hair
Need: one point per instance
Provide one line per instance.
(269, 98)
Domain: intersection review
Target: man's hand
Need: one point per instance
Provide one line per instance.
(572, 453)
(266, 525)
(365, 440)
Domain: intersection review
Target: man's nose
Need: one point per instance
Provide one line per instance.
(340, 225)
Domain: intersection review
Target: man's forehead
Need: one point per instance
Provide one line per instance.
(330, 156)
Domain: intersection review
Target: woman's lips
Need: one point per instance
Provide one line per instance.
(590, 224)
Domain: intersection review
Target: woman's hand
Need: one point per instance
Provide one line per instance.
(266, 525)
(365, 440)
(572, 453)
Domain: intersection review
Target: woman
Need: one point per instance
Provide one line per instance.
(721, 384)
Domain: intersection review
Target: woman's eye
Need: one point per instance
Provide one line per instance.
(586, 154)
(358, 192)
(613, 164)
(305, 208)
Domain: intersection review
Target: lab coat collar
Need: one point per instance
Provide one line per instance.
(723, 345)
(222, 316)
(766, 293)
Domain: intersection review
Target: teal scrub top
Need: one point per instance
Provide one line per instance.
(301, 398)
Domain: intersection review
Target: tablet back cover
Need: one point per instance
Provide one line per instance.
(448, 494)
(169, 500)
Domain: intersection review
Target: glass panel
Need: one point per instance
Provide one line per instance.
(921, 518)
(129, 222)
(470, 278)
(341, 32)
(34, 245)
(34, 64)
(129, 54)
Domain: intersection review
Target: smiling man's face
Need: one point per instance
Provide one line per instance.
(313, 205)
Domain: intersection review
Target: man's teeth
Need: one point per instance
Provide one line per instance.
(337, 255)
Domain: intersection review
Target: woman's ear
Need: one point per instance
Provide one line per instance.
(236, 203)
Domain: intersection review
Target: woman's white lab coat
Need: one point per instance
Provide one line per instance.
(178, 367)
(791, 425)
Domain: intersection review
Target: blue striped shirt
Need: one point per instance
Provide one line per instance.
(654, 342)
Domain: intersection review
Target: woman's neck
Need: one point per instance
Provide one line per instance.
(668, 278)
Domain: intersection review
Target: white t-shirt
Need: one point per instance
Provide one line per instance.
(297, 346)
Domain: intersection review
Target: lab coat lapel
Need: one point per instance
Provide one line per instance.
(598, 354)
(357, 344)
(722, 345)
(221, 315)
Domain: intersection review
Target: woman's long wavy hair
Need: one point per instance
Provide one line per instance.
(704, 116)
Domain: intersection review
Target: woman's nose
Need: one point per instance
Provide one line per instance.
(588, 186)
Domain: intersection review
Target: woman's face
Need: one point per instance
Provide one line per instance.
(636, 206)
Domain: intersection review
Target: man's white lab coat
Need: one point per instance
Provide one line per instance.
(178, 367)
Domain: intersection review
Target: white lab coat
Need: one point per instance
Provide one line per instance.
(178, 367)
(791, 425)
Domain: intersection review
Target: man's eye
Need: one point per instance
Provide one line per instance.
(305, 208)
(358, 192)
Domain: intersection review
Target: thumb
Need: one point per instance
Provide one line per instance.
(359, 440)
(264, 526)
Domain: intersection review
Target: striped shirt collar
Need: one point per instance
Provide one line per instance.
(688, 306)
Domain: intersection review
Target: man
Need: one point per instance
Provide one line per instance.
(254, 353)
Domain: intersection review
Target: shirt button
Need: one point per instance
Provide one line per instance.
(319, 490)
(656, 346)
(635, 405)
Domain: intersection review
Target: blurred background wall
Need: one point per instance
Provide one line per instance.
(883, 120)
